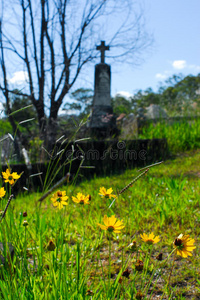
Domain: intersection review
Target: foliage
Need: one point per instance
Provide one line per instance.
(179, 95)
(5, 127)
(35, 149)
(82, 102)
(121, 105)
(181, 134)
(20, 115)
(143, 99)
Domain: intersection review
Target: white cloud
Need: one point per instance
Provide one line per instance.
(124, 94)
(179, 64)
(194, 67)
(64, 112)
(19, 77)
(161, 76)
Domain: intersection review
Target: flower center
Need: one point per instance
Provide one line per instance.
(59, 200)
(111, 229)
(150, 242)
(178, 243)
(10, 177)
(81, 202)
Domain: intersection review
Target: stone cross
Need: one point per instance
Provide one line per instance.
(103, 48)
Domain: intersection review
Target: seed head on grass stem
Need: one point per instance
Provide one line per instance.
(5, 210)
(130, 184)
(139, 295)
(25, 223)
(139, 265)
(132, 246)
(51, 246)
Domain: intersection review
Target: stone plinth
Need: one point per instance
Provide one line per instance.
(102, 85)
(103, 122)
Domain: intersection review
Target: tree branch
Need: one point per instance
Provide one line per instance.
(26, 59)
(42, 34)
(53, 90)
(6, 92)
(34, 40)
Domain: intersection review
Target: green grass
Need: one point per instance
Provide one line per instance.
(180, 136)
(87, 263)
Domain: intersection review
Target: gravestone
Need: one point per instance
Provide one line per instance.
(103, 122)
(154, 111)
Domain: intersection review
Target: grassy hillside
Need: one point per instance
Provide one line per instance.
(64, 254)
(181, 135)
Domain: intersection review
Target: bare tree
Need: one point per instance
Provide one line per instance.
(53, 40)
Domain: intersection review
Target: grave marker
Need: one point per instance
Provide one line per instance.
(103, 122)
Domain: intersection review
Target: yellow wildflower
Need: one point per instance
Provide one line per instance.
(111, 224)
(2, 192)
(106, 193)
(150, 239)
(81, 199)
(59, 199)
(10, 177)
(184, 245)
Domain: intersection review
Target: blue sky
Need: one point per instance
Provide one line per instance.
(175, 25)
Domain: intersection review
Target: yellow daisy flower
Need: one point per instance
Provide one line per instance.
(106, 193)
(82, 199)
(184, 245)
(10, 177)
(150, 239)
(111, 224)
(59, 199)
(2, 192)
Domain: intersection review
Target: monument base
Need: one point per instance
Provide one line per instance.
(103, 121)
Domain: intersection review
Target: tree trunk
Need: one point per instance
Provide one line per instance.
(51, 133)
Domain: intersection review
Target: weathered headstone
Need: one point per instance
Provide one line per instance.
(103, 122)
(154, 111)
(129, 127)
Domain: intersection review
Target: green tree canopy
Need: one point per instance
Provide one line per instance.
(121, 105)
(81, 101)
(23, 111)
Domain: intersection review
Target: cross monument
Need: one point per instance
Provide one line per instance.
(102, 121)
(102, 48)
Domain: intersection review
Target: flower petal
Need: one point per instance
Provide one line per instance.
(106, 220)
(102, 226)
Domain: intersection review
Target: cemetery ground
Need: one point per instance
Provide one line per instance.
(65, 254)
